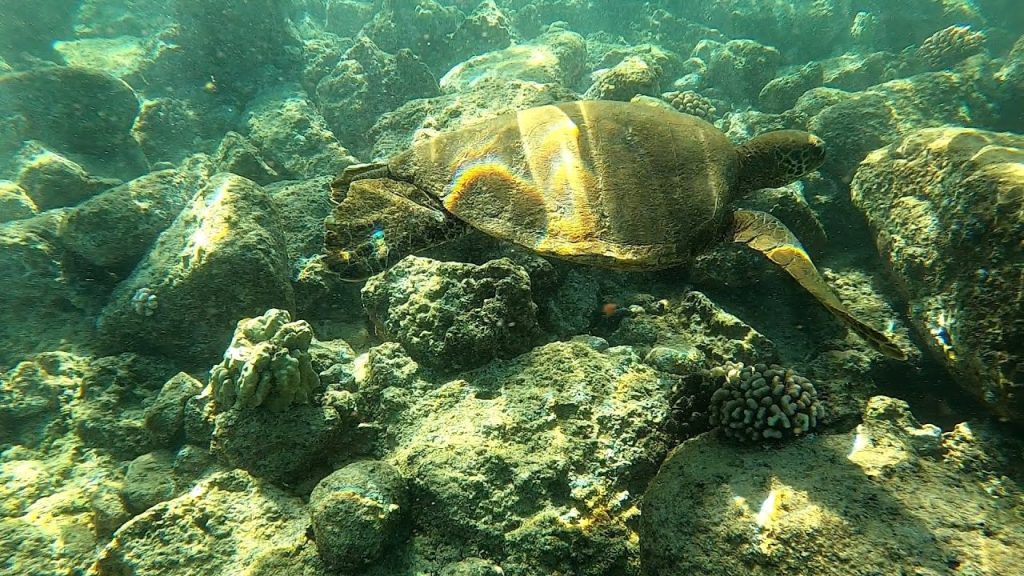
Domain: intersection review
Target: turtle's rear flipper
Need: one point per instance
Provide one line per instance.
(379, 222)
(764, 233)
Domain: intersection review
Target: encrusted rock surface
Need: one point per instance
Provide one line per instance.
(222, 258)
(828, 503)
(453, 316)
(946, 205)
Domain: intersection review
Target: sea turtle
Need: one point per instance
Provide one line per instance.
(622, 185)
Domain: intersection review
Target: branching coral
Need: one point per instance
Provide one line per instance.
(763, 402)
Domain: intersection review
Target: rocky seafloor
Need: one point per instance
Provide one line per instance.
(186, 387)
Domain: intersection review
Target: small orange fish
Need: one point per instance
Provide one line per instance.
(609, 309)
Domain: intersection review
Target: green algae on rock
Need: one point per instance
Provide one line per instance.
(825, 504)
(452, 316)
(946, 205)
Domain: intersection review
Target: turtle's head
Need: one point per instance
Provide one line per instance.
(777, 158)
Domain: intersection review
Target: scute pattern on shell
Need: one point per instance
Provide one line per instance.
(761, 402)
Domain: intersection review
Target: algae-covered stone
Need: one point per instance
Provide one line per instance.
(227, 523)
(739, 69)
(293, 137)
(221, 259)
(165, 417)
(628, 78)
(76, 110)
(148, 480)
(52, 180)
(883, 113)
(532, 457)
(359, 513)
(945, 204)
(821, 505)
(267, 364)
(45, 306)
(451, 315)
(261, 403)
(15, 203)
(555, 57)
(367, 83)
(114, 230)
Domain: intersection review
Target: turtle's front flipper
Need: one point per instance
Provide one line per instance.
(379, 222)
(764, 233)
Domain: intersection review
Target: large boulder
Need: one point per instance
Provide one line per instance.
(222, 258)
(837, 504)
(226, 524)
(538, 460)
(946, 207)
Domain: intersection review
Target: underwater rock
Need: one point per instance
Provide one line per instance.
(261, 403)
(424, 28)
(568, 309)
(29, 401)
(15, 203)
(739, 69)
(358, 514)
(780, 94)
(307, 203)
(113, 396)
(293, 137)
(148, 481)
(238, 155)
(52, 181)
(161, 475)
(283, 447)
(77, 111)
(695, 321)
(222, 258)
(226, 523)
(237, 46)
(628, 78)
(168, 129)
(472, 567)
(367, 83)
(453, 316)
(27, 546)
(486, 28)
(882, 114)
(112, 18)
(805, 28)
(28, 29)
(821, 505)
(266, 364)
(165, 417)
(556, 57)
(44, 306)
(945, 205)
(112, 231)
(528, 458)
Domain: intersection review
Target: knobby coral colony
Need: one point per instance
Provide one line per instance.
(763, 402)
(951, 45)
